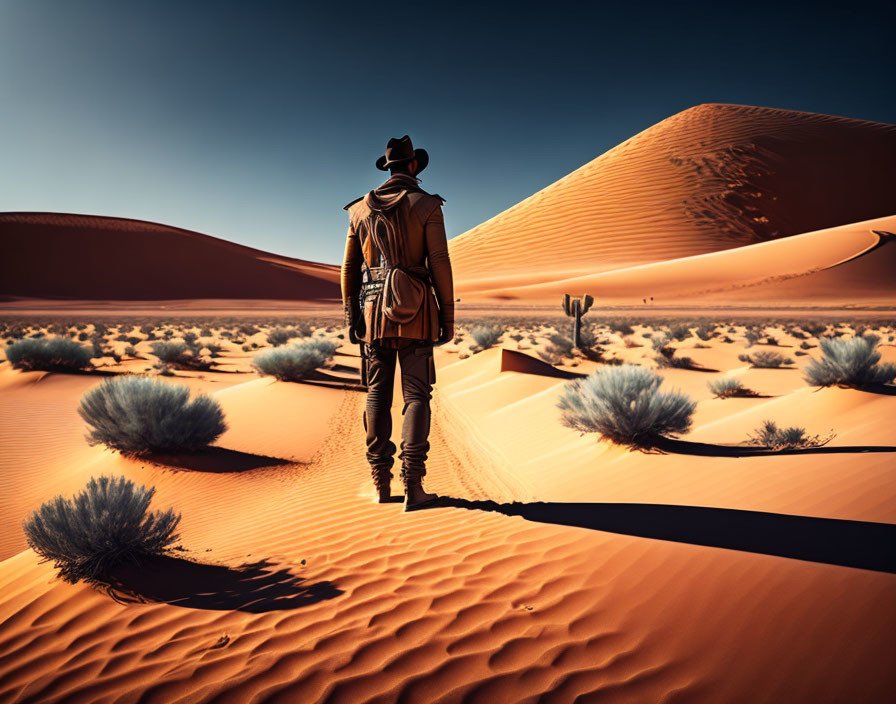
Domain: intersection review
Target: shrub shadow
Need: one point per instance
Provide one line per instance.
(882, 389)
(705, 449)
(215, 460)
(257, 587)
(860, 544)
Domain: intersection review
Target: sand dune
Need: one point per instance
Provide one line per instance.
(63, 256)
(710, 178)
(847, 265)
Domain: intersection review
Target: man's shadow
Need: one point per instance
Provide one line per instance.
(861, 544)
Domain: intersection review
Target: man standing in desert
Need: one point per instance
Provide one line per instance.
(398, 294)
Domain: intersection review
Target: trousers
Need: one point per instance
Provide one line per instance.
(418, 374)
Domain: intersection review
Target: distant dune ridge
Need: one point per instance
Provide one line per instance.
(710, 178)
(64, 256)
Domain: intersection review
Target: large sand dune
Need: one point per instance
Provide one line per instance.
(710, 178)
(847, 265)
(62, 256)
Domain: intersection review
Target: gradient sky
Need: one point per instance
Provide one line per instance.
(257, 121)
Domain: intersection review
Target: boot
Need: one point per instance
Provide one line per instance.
(382, 480)
(415, 496)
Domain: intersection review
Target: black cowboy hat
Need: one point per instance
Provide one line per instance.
(401, 151)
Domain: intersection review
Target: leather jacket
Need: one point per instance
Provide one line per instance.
(421, 246)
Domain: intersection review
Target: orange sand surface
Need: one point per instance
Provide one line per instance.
(561, 569)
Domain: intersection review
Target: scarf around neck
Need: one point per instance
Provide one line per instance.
(389, 194)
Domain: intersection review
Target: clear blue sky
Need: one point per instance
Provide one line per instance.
(258, 121)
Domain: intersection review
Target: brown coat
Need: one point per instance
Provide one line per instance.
(421, 226)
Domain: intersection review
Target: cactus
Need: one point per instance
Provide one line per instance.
(575, 309)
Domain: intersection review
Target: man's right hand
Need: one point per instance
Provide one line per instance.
(352, 331)
(446, 334)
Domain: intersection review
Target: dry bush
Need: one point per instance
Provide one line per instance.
(105, 525)
(624, 405)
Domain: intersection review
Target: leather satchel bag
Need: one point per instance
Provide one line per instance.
(403, 294)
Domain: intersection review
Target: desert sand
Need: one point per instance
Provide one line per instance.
(561, 567)
(558, 567)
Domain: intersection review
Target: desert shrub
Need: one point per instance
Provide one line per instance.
(169, 352)
(587, 336)
(621, 326)
(213, 347)
(280, 336)
(806, 346)
(485, 335)
(752, 337)
(248, 330)
(705, 331)
(206, 332)
(624, 405)
(305, 330)
(853, 362)
(295, 362)
(668, 359)
(190, 338)
(680, 332)
(82, 336)
(729, 387)
(659, 341)
(516, 337)
(106, 524)
(58, 354)
(770, 436)
(765, 359)
(561, 343)
(136, 415)
(178, 354)
(130, 351)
